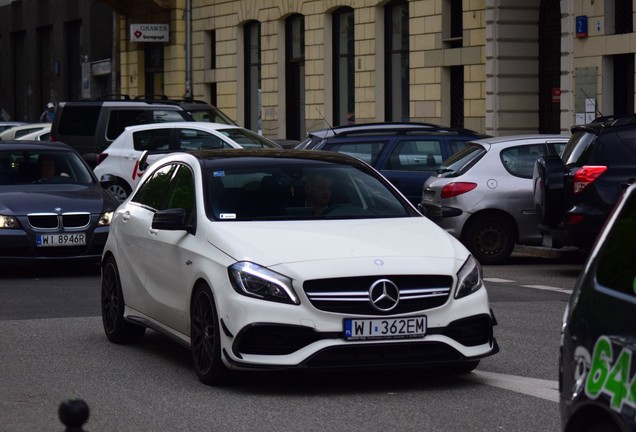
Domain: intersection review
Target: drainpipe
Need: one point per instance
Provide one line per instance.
(188, 50)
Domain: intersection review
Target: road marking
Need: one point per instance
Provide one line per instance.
(539, 287)
(548, 288)
(540, 388)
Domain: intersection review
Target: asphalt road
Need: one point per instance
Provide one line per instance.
(53, 348)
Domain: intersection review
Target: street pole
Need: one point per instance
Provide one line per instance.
(188, 50)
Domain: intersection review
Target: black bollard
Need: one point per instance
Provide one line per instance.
(73, 413)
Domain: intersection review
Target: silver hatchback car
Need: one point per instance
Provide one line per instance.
(483, 194)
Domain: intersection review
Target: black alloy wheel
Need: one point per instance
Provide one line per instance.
(117, 329)
(490, 238)
(205, 338)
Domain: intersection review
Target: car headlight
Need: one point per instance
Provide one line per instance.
(469, 278)
(255, 281)
(9, 222)
(105, 218)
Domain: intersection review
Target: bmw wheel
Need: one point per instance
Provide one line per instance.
(205, 338)
(120, 190)
(117, 329)
(490, 238)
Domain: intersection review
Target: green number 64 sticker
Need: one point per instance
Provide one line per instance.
(611, 377)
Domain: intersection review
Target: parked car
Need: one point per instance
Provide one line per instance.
(16, 132)
(597, 379)
(91, 126)
(405, 153)
(575, 193)
(120, 160)
(204, 112)
(51, 205)
(219, 251)
(4, 125)
(483, 194)
(39, 135)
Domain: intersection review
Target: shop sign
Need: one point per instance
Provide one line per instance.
(149, 32)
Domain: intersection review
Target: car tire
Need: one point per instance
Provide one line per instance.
(117, 329)
(490, 238)
(205, 338)
(547, 180)
(119, 189)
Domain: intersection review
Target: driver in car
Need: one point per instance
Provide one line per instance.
(318, 190)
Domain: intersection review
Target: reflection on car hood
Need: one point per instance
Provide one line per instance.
(44, 199)
(273, 243)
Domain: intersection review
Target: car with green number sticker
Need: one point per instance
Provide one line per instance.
(597, 364)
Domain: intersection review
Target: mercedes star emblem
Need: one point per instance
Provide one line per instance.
(384, 295)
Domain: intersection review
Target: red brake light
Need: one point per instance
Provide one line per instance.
(101, 157)
(454, 189)
(585, 175)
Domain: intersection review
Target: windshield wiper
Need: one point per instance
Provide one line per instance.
(444, 170)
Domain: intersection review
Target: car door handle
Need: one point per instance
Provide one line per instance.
(125, 217)
(153, 232)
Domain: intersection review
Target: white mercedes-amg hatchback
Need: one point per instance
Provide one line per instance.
(281, 259)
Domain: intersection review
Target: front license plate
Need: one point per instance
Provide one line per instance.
(53, 240)
(394, 328)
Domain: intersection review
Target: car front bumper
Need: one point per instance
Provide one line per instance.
(457, 332)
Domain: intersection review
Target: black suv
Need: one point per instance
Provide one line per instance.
(405, 153)
(575, 192)
(597, 359)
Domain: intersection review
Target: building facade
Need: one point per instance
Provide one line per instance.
(284, 67)
(54, 50)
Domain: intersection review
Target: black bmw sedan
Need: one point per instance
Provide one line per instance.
(52, 206)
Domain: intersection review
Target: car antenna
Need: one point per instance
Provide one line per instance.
(595, 106)
(325, 120)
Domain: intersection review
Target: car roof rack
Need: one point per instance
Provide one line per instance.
(396, 128)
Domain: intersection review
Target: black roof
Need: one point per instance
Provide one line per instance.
(34, 145)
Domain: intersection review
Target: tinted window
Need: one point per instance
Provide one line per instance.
(416, 155)
(119, 119)
(281, 193)
(153, 190)
(576, 147)
(193, 139)
(366, 151)
(181, 192)
(519, 160)
(78, 120)
(616, 268)
(461, 161)
(20, 167)
(247, 138)
(152, 140)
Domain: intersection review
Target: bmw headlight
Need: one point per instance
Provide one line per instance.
(469, 278)
(9, 222)
(255, 281)
(105, 218)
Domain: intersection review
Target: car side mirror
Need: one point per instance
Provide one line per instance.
(107, 180)
(143, 161)
(171, 220)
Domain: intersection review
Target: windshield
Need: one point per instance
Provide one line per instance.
(42, 166)
(461, 161)
(308, 191)
(247, 139)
